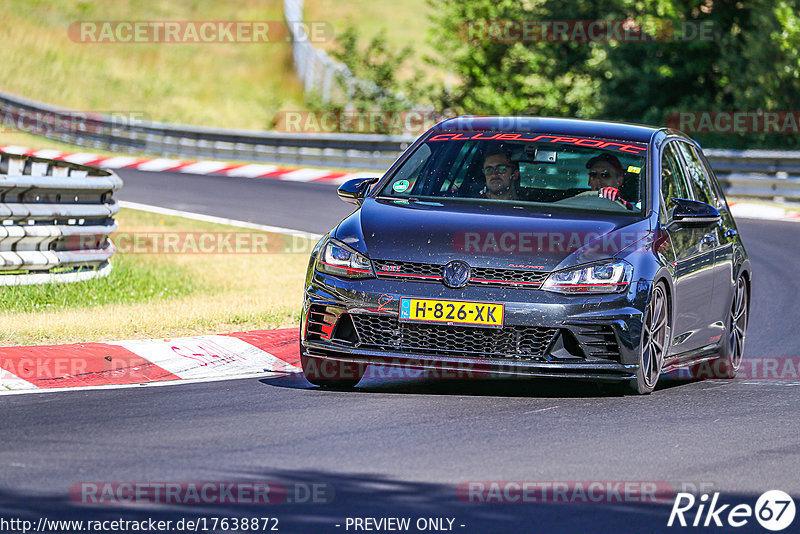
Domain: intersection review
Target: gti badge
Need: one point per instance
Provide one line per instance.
(456, 274)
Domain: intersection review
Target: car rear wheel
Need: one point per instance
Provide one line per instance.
(732, 348)
(331, 374)
(655, 341)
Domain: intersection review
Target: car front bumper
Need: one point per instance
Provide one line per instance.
(593, 336)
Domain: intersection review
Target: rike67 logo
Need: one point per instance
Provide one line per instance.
(774, 510)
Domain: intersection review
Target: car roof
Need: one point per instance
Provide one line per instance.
(612, 130)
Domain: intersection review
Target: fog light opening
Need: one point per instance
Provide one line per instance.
(566, 346)
(344, 331)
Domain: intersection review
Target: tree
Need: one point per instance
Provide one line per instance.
(704, 55)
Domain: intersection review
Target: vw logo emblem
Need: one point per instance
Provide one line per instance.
(456, 274)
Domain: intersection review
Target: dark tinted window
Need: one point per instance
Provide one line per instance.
(673, 178)
(699, 180)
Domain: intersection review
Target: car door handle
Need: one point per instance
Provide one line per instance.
(730, 232)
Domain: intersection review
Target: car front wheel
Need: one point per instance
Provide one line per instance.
(655, 341)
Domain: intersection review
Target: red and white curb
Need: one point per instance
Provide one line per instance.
(254, 170)
(747, 210)
(217, 168)
(150, 361)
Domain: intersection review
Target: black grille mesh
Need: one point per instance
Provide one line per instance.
(387, 333)
(509, 275)
(407, 270)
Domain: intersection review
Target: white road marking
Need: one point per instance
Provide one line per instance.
(147, 384)
(14, 149)
(117, 162)
(252, 171)
(11, 382)
(540, 410)
(304, 175)
(204, 167)
(47, 153)
(159, 164)
(80, 157)
(206, 356)
(217, 220)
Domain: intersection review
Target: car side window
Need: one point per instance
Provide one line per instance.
(673, 177)
(698, 178)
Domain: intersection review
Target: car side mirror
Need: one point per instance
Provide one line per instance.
(353, 191)
(692, 213)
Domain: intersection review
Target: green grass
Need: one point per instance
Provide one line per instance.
(238, 85)
(405, 23)
(219, 84)
(131, 280)
(163, 295)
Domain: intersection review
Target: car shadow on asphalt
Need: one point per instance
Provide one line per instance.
(481, 387)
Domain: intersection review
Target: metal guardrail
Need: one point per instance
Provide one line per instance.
(322, 75)
(319, 73)
(765, 174)
(126, 135)
(753, 173)
(55, 220)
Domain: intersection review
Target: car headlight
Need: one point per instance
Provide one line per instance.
(340, 260)
(606, 277)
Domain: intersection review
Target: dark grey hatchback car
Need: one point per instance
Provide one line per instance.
(531, 247)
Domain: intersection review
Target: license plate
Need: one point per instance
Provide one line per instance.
(451, 312)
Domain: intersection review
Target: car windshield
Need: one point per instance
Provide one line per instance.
(552, 172)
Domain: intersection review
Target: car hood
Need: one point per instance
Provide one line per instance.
(487, 235)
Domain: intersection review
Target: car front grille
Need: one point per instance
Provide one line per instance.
(516, 342)
(431, 272)
(507, 276)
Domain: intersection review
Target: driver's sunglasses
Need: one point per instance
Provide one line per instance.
(603, 174)
(499, 169)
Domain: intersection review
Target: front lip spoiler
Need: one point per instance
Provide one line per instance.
(610, 371)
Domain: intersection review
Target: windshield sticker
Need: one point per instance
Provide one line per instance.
(400, 186)
(634, 170)
(577, 141)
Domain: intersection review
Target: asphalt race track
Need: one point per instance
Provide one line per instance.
(311, 207)
(400, 448)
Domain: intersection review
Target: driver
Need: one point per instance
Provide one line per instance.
(606, 177)
(502, 177)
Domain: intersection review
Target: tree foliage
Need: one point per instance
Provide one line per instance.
(717, 55)
(693, 56)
